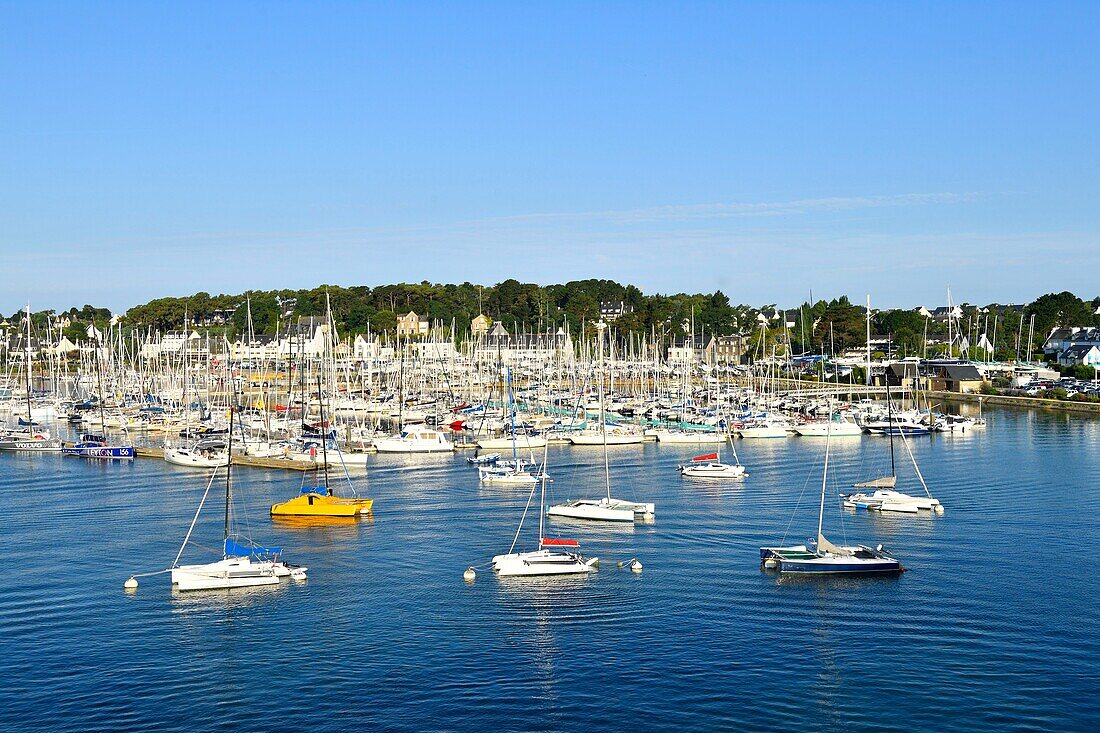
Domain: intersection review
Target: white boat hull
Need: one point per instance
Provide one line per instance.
(523, 441)
(514, 479)
(541, 562)
(42, 446)
(400, 445)
(611, 439)
(184, 457)
(821, 430)
(601, 510)
(888, 500)
(232, 572)
(715, 471)
(769, 431)
(664, 436)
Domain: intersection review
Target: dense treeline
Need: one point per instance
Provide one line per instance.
(528, 305)
(824, 326)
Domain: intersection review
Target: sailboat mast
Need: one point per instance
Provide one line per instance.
(603, 417)
(99, 377)
(824, 476)
(542, 494)
(229, 466)
(30, 414)
(867, 376)
(324, 433)
(890, 426)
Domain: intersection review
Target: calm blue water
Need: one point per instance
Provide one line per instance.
(995, 627)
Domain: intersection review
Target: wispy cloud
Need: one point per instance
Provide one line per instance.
(686, 212)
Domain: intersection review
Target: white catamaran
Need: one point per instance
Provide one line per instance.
(552, 557)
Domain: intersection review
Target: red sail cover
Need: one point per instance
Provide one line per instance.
(457, 425)
(560, 542)
(707, 457)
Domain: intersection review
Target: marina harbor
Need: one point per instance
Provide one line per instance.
(549, 367)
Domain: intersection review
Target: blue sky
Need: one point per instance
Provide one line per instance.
(766, 149)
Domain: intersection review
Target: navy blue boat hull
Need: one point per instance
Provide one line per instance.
(859, 568)
(100, 451)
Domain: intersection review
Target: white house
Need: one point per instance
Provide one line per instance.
(1082, 355)
(171, 343)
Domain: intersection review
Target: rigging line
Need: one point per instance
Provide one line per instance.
(798, 503)
(916, 468)
(196, 517)
(523, 517)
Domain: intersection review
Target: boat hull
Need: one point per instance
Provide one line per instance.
(713, 471)
(524, 441)
(104, 452)
(542, 562)
(44, 446)
(763, 432)
(854, 561)
(817, 430)
(192, 460)
(674, 438)
(611, 439)
(397, 445)
(601, 510)
(233, 572)
(321, 505)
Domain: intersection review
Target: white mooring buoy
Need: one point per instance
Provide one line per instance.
(635, 565)
(771, 563)
(130, 584)
(469, 575)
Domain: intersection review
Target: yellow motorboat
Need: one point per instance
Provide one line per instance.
(314, 504)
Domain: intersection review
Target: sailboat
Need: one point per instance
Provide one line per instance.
(33, 438)
(205, 453)
(515, 471)
(319, 501)
(554, 556)
(97, 446)
(822, 556)
(883, 495)
(411, 439)
(241, 565)
(605, 508)
(710, 467)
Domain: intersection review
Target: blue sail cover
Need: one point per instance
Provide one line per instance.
(233, 549)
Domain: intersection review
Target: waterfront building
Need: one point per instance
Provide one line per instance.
(1080, 355)
(1070, 345)
(411, 324)
(480, 325)
(610, 310)
(171, 343)
(726, 349)
(955, 378)
(682, 350)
